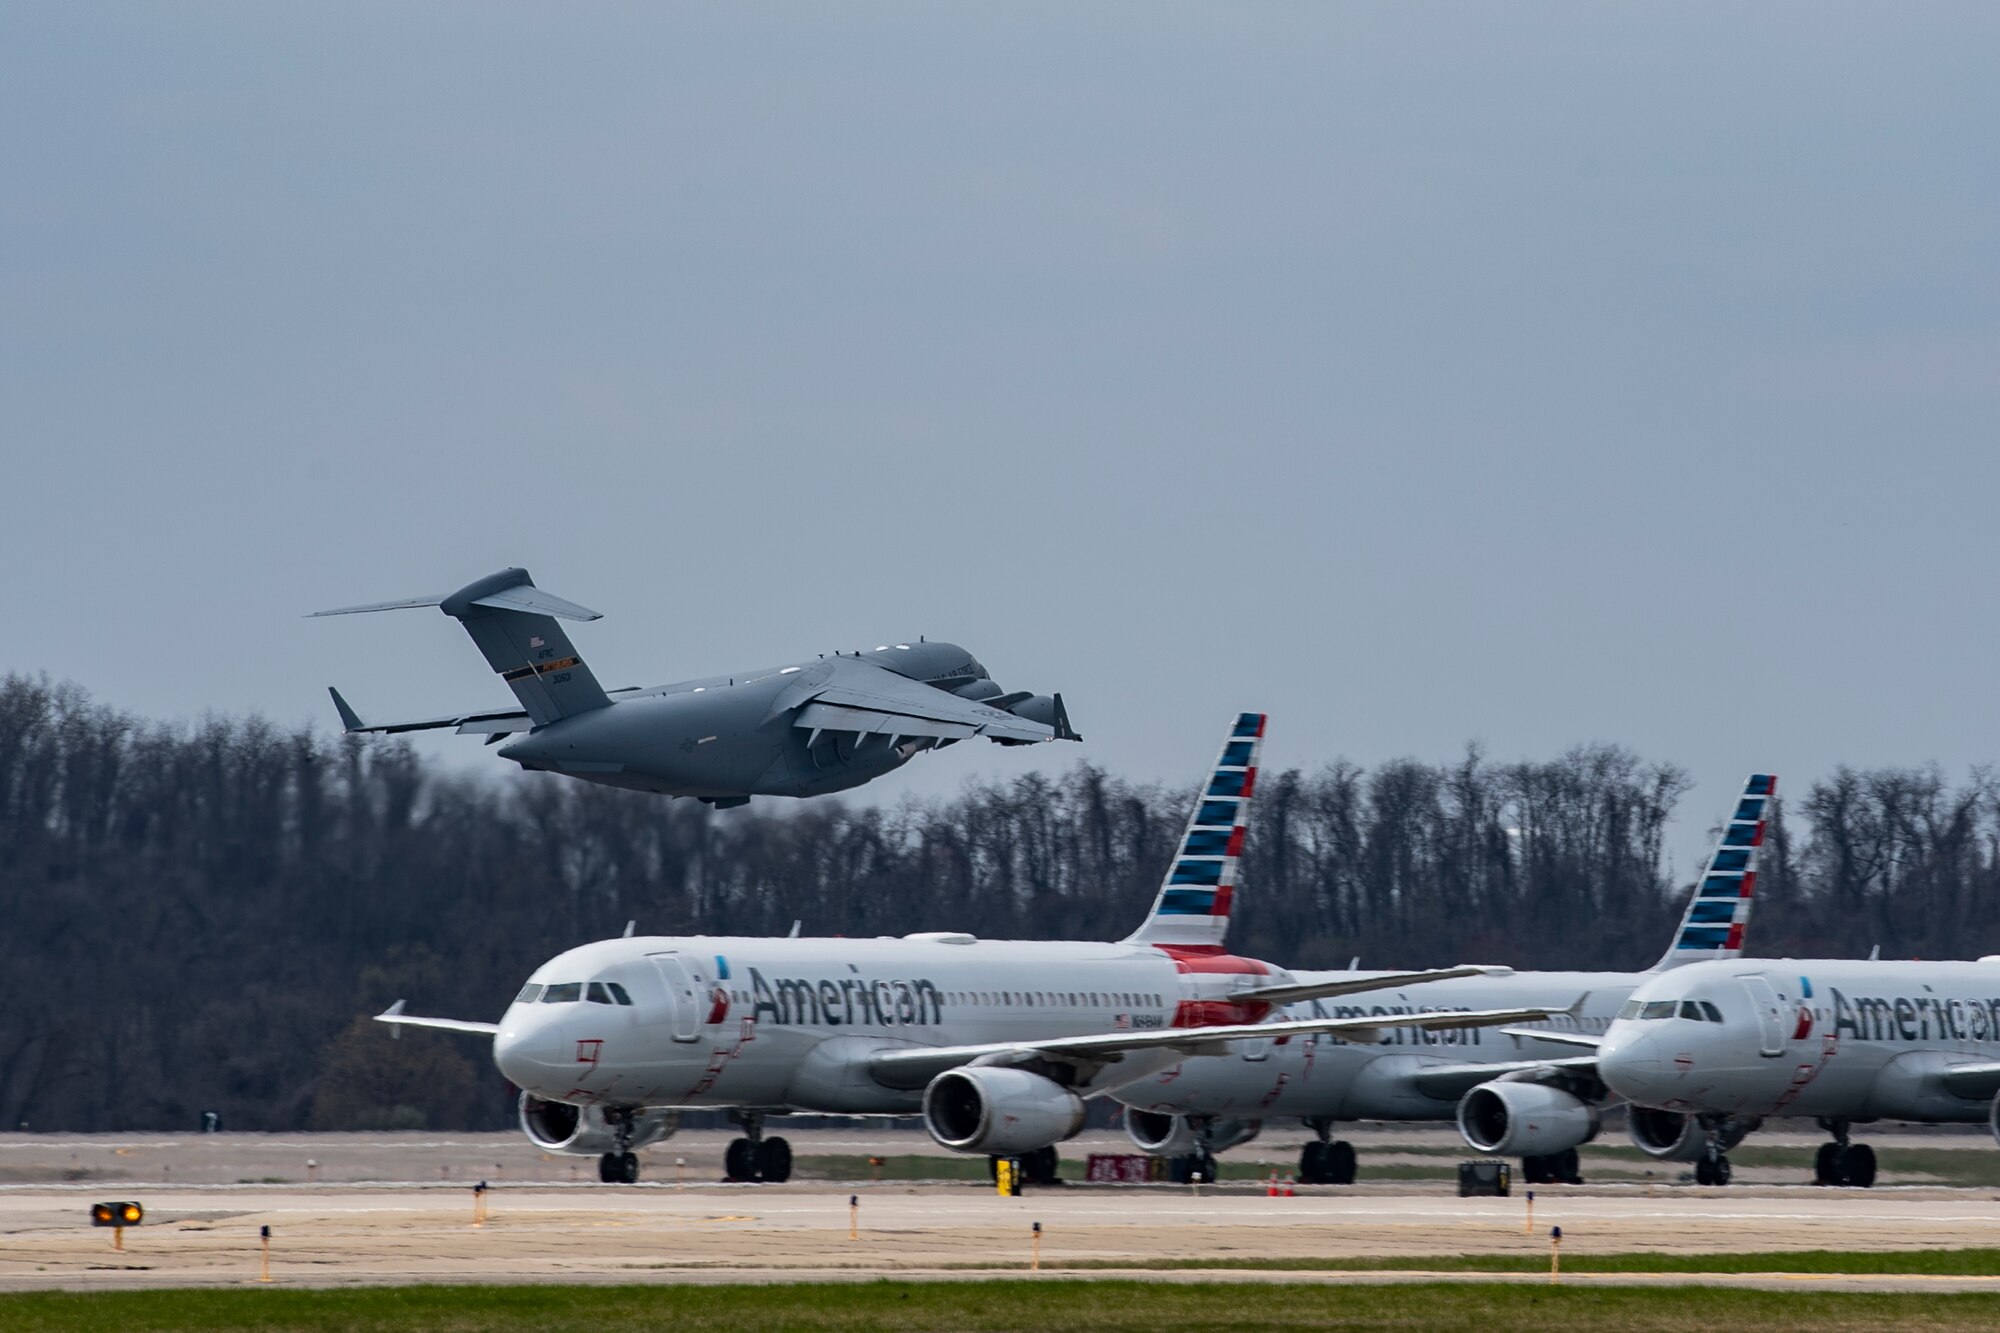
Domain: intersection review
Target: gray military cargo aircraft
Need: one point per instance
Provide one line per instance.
(803, 729)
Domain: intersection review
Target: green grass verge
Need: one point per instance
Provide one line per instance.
(1928, 1263)
(995, 1307)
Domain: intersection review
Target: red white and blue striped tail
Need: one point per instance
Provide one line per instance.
(1193, 906)
(1719, 912)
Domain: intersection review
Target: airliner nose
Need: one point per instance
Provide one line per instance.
(1628, 1060)
(530, 1050)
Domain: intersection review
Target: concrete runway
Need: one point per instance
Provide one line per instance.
(545, 1229)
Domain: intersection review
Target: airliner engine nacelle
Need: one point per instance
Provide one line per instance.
(1000, 1112)
(1516, 1119)
(582, 1131)
(1161, 1135)
(1673, 1136)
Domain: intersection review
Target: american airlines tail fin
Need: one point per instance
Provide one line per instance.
(1719, 912)
(514, 623)
(1193, 906)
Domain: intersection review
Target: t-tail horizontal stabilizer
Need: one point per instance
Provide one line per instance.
(514, 623)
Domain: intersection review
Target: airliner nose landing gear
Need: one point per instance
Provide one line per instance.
(1326, 1160)
(753, 1157)
(1712, 1167)
(620, 1166)
(1841, 1162)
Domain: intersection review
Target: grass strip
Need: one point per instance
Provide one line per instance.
(999, 1307)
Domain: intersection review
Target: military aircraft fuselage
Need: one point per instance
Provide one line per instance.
(800, 729)
(717, 738)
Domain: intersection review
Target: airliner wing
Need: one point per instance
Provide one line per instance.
(1977, 1080)
(1322, 990)
(394, 1015)
(912, 1066)
(1450, 1082)
(1583, 1039)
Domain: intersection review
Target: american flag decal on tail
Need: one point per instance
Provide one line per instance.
(1720, 909)
(1193, 906)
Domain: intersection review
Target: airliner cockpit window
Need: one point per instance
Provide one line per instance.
(529, 993)
(1632, 1008)
(1689, 1009)
(563, 992)
(1714, 1014)
(1659, 1009)
(618, 992)
(597, 994)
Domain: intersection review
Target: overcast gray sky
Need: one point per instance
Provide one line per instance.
(1418, 373)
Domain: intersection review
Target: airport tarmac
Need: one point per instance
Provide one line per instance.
(344, 1235)
(421, 1230)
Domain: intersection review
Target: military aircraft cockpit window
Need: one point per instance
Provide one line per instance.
(1632, 1008)
(597, 994)
(529, 993)
(1714, 1014)
(1659, 1009)
(563, 992)
(618, 992)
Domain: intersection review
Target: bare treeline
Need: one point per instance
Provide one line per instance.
(196, 915)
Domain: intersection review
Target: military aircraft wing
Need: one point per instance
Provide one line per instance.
(913, 1066)
(1322, 990)
(496, 722)
(895, 706)
(1974, 1079)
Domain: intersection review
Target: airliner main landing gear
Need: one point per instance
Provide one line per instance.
(1556, 1168)
(753, 1157)
(620, 1166)
(1326, 1160)
(1841, 1162)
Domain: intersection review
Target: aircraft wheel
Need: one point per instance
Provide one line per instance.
(1857, 1166)
(774, 1161)
(1312, 1164)
(1826, 1164)
(1340, 1165)
(1535, 1170)
(1041, 1166)
(739, 1163)
(607, 1168)
(1721, 1170)
(1569, 1170)
(628, 1168)
(1704, 1171)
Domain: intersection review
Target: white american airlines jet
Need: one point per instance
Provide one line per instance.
(995, 1043)
(1711, 1051)
(1519, 1091)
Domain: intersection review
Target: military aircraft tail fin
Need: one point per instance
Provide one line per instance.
(1719, 912)
(1193, 904)
(515, 625)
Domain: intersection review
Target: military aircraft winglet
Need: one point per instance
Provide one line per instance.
(802, 729)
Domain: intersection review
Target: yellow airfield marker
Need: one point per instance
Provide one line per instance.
(1035, 1265)
(1555, 1255)
(854, 1217)
(264, 1259)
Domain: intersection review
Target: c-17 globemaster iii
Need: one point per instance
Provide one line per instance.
(799, 729)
